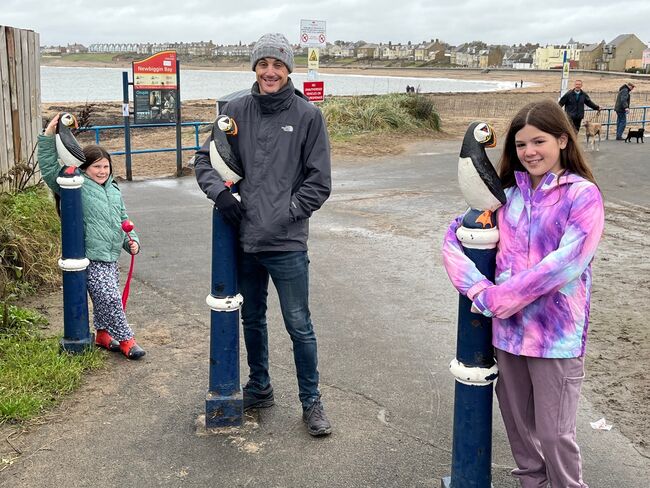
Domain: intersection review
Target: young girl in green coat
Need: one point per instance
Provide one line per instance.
(103, 214)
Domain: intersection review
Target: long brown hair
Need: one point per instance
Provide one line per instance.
(548, 117)
(94, 153)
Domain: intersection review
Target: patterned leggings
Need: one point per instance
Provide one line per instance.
(104, 290)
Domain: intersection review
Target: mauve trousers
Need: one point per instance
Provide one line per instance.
(538, 399)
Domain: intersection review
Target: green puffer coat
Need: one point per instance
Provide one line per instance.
(103, 207)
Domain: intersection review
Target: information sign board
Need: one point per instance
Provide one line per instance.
(312, 33)
(154, 88)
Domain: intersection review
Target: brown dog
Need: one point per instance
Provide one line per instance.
(635, 133)
(592, 130)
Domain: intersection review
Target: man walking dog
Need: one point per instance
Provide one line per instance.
(622, 107)
(574, 102)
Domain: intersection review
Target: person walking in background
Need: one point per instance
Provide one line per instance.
(284, 150)
(103, 214)
(549, 230)
(574, 102)
(622, 107)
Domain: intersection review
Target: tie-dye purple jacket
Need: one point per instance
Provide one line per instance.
(547, 239)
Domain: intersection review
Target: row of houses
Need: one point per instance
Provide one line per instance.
(201, 48)
(624, 52)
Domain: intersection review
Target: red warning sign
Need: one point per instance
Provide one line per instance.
(314, 90)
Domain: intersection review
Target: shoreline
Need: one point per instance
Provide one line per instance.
(541, 81)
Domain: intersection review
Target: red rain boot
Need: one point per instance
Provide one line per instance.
(104, 340)
(131, 350)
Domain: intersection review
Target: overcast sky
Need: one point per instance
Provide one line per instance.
(231, 21)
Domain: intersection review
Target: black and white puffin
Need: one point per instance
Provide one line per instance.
(478, 179)
(67, 147)
(222, 157)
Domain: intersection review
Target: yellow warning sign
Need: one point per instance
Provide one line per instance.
(312, 58)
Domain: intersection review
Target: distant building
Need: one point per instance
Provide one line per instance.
(552, 56)
(590, 55)
(430, 51)
(349, 50)
(490, 57)
(619, 50)
(76, 49)
(645, 60)
(53, 50)
(234, 50)
(201, 48)
(368, 51)
(333, 50)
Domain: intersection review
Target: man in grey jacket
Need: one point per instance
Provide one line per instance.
(283, 148)
(622, 107)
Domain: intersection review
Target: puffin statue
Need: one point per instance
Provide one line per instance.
(222, 157)
(67, 147)
(479, 182)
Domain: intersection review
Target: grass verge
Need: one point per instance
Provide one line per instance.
(348, 117)
(30, 242)
(34, 374)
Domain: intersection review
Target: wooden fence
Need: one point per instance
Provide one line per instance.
(20, 96)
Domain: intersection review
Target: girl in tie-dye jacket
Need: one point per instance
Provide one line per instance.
(549, 230)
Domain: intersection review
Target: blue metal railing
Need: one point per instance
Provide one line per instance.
(637, 116)
(607, 117)
(98, 128)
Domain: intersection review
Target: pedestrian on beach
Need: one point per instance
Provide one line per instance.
(284, 150)
(574, 102)
(103, 214)
(622, 108)
(539, 302)
(521, 83)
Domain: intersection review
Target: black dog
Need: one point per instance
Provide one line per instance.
(634, 133)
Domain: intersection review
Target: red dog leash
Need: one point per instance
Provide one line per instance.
(127, 226)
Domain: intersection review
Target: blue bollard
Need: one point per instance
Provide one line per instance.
(224, 405)
(474, 368)
(73, 263)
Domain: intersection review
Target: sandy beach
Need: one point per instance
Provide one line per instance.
(456, 111)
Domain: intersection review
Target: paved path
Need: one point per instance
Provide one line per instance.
(385, 318)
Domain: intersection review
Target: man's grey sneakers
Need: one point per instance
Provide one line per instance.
(316, 420)
(255, 398)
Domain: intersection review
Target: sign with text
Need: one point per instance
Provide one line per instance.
(565, 75)
(155, 72)
(312, 33)
(154, 89)
(314, 90)
(312, 58)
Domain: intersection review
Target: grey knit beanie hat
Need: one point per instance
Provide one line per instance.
(272, 46)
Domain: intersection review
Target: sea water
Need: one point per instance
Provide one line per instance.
(81, 84)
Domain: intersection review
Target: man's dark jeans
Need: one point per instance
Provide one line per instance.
(289, 271)
(621, 122)
(577, 122)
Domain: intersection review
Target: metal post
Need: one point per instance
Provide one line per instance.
(564, 84)
(177, 108)
(127, 124)
(224, 402)
(474, 368)
(73, 263)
